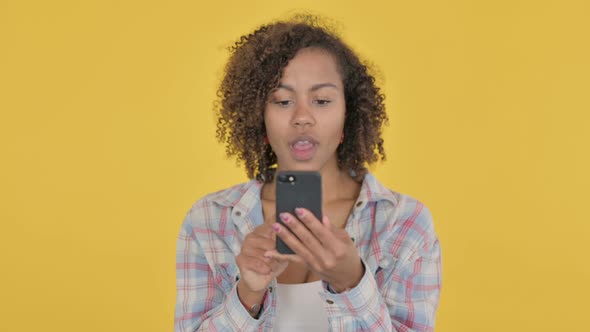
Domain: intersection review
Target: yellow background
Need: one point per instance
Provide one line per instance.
(107, 138)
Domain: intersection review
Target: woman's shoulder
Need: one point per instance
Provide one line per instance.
(402, 210)
(212, 205)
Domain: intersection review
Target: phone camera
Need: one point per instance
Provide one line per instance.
(287, 178)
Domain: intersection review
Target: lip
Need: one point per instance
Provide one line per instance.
(303, 138)
(303, 154)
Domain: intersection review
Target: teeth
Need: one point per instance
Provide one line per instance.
(300, 143)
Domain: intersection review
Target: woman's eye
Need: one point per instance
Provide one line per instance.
(322, 102)
(283, 102)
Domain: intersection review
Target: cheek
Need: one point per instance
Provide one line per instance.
(271, 127)
(268, 121)
(333, 126)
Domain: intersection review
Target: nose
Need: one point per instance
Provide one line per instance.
(302, 116)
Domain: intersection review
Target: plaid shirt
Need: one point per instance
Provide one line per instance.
(394, 236)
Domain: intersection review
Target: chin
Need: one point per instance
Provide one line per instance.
(297, 165)
(300, 167)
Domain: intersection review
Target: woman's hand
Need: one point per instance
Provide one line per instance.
(257, 271)
(323, 248)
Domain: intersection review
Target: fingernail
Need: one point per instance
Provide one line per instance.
(276, 227)
(299, 212)
(284, 217)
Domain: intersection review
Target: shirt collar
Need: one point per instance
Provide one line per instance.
(373, 191)
(246, 197)
(243, 197)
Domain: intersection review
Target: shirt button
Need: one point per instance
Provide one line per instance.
(359, 203)
(270, 289)
(238, 213)
(329, 301)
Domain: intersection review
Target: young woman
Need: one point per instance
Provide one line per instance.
(295, 97)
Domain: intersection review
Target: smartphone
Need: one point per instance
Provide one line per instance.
(297, 189)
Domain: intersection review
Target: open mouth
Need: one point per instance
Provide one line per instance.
(303, 148)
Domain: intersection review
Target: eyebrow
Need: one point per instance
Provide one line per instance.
(313, 87)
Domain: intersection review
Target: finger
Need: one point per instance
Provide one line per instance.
(256, 253)
(260, 242)
(306, 237)
(264, 230)
(256, 248)
(295, 244)
(277, 266)
(278, 257)
(321, 230)
(327, 223)
(256, 265)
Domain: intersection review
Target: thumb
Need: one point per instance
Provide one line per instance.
(265, 230)
(270, 233)
(269, 222)
(274, 254)
(327, 223)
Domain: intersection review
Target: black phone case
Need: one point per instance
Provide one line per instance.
(305, 191)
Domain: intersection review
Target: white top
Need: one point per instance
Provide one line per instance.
(300, 308)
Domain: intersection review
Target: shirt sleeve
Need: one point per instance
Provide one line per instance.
(201, 303)
(401, 296)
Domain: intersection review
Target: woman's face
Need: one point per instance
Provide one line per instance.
(304, 117)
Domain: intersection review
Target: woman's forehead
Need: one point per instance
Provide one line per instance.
(311, 68)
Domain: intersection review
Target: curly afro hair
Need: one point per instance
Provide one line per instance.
(254, 70)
